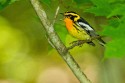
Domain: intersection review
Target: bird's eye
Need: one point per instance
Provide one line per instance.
(75, 16)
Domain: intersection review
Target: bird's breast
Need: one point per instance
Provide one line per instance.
(69, 23)
(74, 31)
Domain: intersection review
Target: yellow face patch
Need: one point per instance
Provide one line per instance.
(72, 14)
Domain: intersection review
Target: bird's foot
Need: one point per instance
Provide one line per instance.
(78, 43)
(74, 42)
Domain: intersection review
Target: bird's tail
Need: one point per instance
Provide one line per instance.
(101, 42)
(94, 34)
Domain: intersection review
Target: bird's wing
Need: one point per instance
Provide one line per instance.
(90, 31)
(85, 25)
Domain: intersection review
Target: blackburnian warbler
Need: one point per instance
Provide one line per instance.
(79, 28)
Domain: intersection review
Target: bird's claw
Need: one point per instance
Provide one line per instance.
(78, 42)
(74, 42)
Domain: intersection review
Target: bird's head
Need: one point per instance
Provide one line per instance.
(71, 15)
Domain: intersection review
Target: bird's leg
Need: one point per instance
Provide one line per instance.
(80, 43)
(74, 42)
(77, 43)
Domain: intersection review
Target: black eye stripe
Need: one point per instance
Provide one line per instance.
(70, 16)
(74, 16)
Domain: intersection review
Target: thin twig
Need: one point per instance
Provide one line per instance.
(80, 42)
(56, 14)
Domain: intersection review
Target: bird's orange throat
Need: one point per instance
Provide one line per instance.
(69, 23)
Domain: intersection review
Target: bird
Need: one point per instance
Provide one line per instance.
(79, 28)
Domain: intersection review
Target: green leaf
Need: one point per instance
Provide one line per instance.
(4, 3)
(115, 48)
(97, 11)
(116, 1)
(82, 1)
(100, 8)
(114, 22)
(116, 31)
(100, 3)
(119, 10)
(115, 28)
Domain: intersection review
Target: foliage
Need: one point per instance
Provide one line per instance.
(81, 1)
(4, 3)
(113, 10)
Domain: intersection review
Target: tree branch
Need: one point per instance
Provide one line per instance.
(59, 46)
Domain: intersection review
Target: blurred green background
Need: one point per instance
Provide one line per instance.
(27, 57)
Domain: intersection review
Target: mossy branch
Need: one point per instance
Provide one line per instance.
(57, 43)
